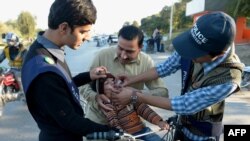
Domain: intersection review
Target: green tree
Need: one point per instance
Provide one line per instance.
(162, 19)
(238, 8)
(3, 28)
(180, 20)
(12, 24)
(9, 26)
(149, 23)
(135, 23)
(26, 24)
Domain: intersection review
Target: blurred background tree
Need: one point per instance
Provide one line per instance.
(238, 8)
(135, 23)
(26, 24)
(162, 19)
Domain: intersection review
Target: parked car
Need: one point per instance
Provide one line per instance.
(101, 41)
(112, 39)
(95, 38)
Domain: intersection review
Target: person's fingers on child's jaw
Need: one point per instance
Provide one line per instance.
(105, 107)
(101, 99)
(104, 98)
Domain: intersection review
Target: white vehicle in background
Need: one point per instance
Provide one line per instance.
(112, 39)
(100, 40)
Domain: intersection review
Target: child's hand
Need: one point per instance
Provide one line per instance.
(101, 99)
(163, 125)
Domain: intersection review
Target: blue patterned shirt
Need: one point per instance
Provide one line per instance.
(196, 100)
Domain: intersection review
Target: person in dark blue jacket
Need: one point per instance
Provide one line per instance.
(51, 92)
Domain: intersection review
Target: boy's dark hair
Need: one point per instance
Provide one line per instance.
(131, 32)
(100, 85)
(100, 82)
(74, 12)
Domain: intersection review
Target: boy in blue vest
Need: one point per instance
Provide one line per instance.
(51, 92)
(211, 72)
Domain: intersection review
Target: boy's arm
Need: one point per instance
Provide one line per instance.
(150, 115)
(147, 113)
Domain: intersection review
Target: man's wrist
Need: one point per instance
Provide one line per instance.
(134, 97)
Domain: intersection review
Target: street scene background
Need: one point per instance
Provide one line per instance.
(16, 124)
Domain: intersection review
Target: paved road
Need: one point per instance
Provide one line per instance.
(18, 125)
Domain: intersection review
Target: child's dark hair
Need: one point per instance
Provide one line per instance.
(101, 85)
(101, 82)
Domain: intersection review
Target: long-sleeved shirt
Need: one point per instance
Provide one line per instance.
(196, 100)
(108, 58)
(128, 119)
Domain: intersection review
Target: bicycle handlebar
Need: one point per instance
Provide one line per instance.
(172, 120)
(110, 135)
(113, 135)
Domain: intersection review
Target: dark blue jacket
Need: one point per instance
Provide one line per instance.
(52, 97)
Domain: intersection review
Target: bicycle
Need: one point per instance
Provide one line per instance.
(174, 126)
(113, 135)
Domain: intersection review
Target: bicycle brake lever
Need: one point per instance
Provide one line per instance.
(128, 137)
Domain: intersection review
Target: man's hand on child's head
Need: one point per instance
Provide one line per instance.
(98, 72)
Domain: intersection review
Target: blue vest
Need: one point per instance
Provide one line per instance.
(206, 128)
(38, 65)
(185, 74)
